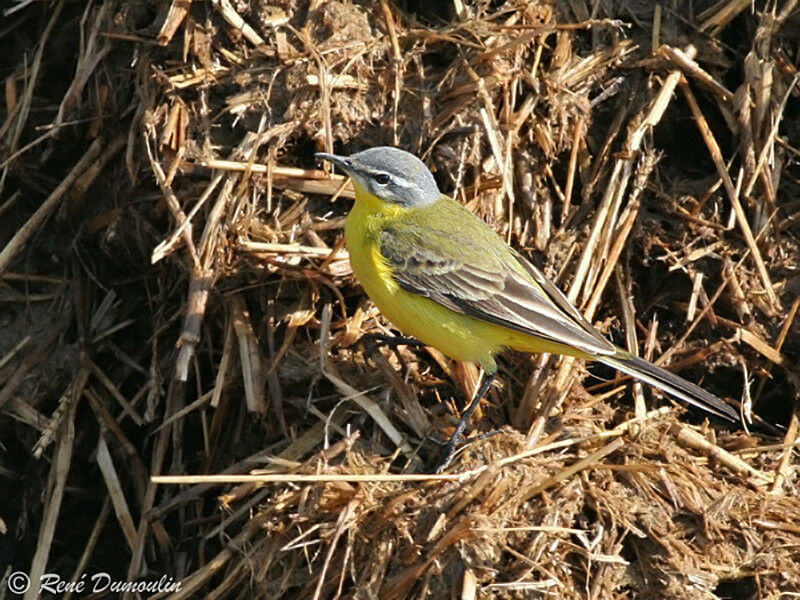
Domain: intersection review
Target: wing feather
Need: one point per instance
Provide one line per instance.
(498, 286)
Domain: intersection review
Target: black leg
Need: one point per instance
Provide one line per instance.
(450, 448)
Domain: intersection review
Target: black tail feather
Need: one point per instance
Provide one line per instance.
(670, 383)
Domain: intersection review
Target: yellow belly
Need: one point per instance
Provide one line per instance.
(456, 335)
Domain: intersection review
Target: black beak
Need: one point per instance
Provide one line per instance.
(340, 161)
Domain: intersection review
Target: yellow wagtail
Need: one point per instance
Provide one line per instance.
(442, 275)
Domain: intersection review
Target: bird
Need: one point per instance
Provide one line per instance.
(442, 275)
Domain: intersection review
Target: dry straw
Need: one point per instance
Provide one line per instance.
(188, 384)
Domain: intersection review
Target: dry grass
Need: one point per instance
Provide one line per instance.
(184, 385)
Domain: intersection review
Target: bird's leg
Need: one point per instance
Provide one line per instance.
(450, 448)
(482, 436)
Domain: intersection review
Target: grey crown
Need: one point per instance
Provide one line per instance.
(412, 184)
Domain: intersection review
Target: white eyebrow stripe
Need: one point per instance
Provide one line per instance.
(396, 178)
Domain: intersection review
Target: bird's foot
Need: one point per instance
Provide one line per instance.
(455, 445)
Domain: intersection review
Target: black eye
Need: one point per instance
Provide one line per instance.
(382, 178)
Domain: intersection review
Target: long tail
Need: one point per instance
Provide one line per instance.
(669, 383)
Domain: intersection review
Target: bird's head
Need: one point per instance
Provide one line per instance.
(390, 174)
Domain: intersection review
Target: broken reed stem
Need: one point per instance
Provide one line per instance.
(306, 478)
(695, 440)
(687, 63)
(572, 168)
(173, 204)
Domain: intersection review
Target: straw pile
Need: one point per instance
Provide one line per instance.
(176, 299)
